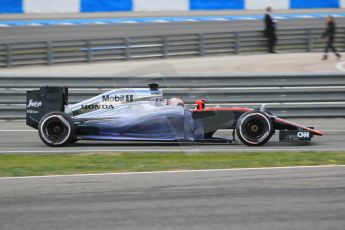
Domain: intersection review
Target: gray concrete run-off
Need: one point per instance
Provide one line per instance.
(297, 198)
(158, 14)
(218, 65)
(53, 33)
(15, 137)
(56, 33)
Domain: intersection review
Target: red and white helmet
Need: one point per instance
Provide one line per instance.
(175, 102)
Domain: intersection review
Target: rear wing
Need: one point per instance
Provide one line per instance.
(43, 101)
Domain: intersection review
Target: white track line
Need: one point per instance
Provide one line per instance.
(325, 130)
(18, 130)
(182, 149)
(221, 130)
(180, 171)
(340, 66)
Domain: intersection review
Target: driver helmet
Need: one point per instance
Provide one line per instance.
(175, 102)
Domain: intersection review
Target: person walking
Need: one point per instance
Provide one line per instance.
(329, 35)
(270, 30)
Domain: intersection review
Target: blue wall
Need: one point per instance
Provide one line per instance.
(17, 6)
(216, 4)
(11, 6)
(300, 4)
(105, 5)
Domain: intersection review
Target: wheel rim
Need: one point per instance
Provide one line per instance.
(55, 130)
(255, 128)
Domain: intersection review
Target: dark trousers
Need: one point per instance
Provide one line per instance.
(272, 40)
(330, 46)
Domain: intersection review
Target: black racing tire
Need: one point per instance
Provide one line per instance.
(56, 129)
(74, 140)
(254, 128)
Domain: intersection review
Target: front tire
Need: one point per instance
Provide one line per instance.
(254, 128)
(56, 129)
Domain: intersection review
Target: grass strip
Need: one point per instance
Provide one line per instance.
(61, 164)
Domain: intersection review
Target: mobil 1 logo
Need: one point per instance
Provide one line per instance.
(118, 98)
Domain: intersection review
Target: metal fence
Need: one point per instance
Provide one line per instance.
(131, 48)
(320, 95)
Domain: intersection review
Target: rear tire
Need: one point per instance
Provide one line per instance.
(74, 140)
(254, 128)
(56, 129)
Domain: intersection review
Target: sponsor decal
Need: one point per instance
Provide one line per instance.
(94, 107)
(292, 135)
(117, 98)
(30, 111)
(156, 92)
(303, 134)
(34, 104)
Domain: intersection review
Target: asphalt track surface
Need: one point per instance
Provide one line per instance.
(291, 198)
(288, 198)
(15, 137)
(52, 33)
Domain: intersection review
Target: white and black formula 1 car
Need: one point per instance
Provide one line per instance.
(144, 115)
